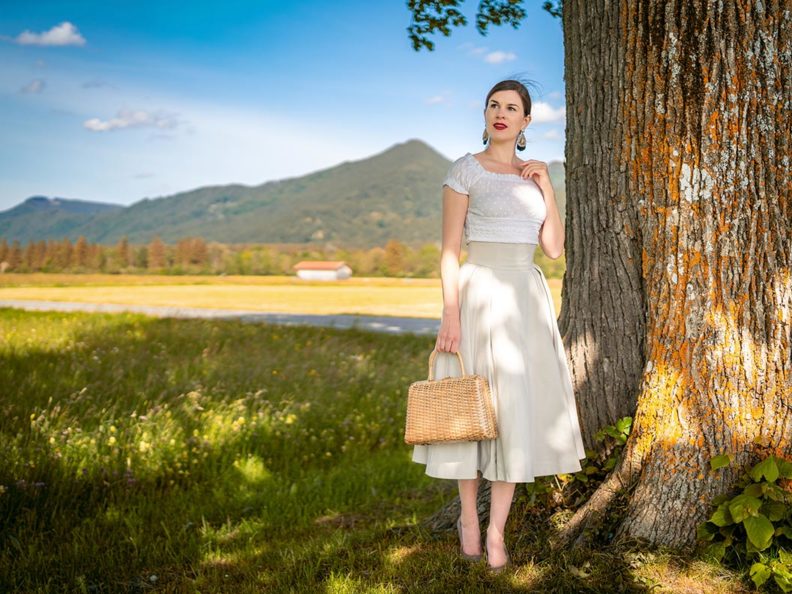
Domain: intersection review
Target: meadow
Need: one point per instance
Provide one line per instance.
(144, 454)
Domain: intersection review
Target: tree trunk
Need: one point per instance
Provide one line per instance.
(603, 311)
(678, 144)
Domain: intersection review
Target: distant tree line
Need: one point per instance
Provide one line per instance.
(194, 255)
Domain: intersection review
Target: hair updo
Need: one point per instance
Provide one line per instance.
(512, 85)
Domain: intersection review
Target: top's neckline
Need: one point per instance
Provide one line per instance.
(472, 156)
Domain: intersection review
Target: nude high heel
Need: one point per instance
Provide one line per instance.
(463, 554)
(498, 568)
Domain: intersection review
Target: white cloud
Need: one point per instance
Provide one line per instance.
(436, 99)
(542, 112)
(552, 135)
(491, 57)
(555, 95)
(499, 57)
(138, 118)
(35, 86)
(63, 34)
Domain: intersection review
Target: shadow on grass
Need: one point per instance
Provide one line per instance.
(180, 455)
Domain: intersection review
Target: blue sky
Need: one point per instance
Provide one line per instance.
(117, 101)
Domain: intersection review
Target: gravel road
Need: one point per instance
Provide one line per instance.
(421, 326)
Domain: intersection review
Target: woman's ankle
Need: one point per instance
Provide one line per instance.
(495, 534)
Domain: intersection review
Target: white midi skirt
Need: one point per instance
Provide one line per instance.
(510, 336)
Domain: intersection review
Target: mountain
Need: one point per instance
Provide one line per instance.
(391, 195)
(40, 217)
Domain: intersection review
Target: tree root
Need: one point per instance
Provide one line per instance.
(580, 529)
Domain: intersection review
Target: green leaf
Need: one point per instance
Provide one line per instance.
(727, 531)
(759, 573)
(784, 468)
(706, 531)
(750, 548)
(720, 461)
(754, 490)
(774, 510)
(743, 506)
(759, 530)
(767, 468)
(624, 424)
(720, 499)
(781, 569)
(716, 550)
(721, 516)
(784, 583)
(774, 492)
(785, 557)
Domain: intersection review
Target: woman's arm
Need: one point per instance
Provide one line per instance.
(551, 235)
(454, 211)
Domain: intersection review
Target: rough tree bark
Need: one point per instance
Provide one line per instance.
(702, 99)
(603, 313)
(678, 290)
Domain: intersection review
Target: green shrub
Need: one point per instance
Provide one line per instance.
(755, 524)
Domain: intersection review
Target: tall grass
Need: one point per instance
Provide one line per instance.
(144, 454)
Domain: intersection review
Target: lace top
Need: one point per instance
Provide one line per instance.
(502, 207)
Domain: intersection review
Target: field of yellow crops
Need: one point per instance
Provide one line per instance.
(419, 298)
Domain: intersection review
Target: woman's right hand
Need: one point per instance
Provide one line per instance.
(449, 333)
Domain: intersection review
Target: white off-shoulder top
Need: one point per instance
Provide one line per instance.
(502, 207)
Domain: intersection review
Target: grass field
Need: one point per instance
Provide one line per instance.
(144, 454)
(419, 298)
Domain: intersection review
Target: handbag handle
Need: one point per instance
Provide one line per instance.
(432, 360)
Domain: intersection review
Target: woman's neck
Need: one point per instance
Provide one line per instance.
(500, 153)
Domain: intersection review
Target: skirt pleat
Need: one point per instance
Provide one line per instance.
(510, 336)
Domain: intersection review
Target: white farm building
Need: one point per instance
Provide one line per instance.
(322, 270)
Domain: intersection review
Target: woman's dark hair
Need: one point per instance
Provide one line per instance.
(512, 85)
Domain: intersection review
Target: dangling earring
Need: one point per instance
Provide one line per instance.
(521, 141)
(485, 136)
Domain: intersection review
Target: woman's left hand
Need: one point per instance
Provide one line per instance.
(537, 171)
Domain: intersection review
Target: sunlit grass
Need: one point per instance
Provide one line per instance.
(188, 455)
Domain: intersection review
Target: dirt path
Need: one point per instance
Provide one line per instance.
(391, 325)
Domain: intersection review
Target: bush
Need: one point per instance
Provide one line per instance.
(755, 524)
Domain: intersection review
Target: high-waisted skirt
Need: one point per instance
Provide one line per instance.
(510, 336)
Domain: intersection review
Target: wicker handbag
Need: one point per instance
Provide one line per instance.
(451, 409)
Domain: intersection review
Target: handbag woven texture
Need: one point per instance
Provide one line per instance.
(451, 409)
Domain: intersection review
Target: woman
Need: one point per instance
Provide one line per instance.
(499, 314)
